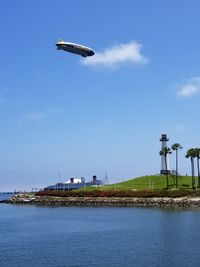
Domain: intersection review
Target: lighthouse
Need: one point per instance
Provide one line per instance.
(164, 141)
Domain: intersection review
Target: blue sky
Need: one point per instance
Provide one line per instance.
(65, 116)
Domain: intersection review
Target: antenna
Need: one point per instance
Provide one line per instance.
(59, 176)
(106, 177)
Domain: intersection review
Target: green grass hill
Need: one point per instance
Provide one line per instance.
(151, 182)
(145, 186)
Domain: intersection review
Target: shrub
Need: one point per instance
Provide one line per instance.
(121, 193)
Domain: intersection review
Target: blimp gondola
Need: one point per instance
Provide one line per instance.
(82, 50)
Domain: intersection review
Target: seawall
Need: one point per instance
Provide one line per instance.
(183, 202)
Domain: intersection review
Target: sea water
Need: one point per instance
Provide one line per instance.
(5, 196)
(33, 236)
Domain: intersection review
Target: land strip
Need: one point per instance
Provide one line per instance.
(179, 202)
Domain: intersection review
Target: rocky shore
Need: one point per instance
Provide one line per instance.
(182, 202)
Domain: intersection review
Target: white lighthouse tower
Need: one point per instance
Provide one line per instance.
(164, 141)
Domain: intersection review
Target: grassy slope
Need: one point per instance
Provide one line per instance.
(151, 182)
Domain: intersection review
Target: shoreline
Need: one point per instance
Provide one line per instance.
(159, 202)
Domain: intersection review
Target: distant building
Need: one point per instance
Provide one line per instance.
(74, 183)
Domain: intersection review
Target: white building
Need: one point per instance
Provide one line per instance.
(75, 181)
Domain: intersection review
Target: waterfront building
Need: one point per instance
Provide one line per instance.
(74, 183)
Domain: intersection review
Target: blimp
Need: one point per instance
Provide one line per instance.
(82, 50)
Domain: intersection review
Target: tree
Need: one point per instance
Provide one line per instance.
(197, 155)
(176, 147)
(191, 154)
(164, 152)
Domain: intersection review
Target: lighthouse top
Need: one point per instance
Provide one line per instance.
(164, 138)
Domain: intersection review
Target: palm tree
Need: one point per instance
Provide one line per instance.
(197, 155)
(164, 152)
(191, 154)
(176, 147)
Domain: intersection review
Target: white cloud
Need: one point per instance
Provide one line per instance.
(119, 54)
(32, 116)
(36, 116)
(192, 87)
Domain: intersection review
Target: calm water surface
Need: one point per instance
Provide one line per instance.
(5, 196)
(62, 236)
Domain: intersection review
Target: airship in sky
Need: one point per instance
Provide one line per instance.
(82, 50)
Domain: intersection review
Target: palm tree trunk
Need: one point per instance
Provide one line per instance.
(177, 168)
(193, 174)
(167, 180)
(198, 172)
